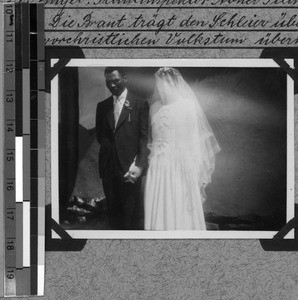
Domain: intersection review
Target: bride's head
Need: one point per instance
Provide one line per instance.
(171, 75)
(168, 82)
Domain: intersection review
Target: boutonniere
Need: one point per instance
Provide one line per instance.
(128, 106)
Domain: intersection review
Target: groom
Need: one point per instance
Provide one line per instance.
(122, 132)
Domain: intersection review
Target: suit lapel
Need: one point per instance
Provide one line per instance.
(125, 110)
(110, 113)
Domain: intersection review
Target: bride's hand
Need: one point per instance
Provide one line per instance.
(133, 173)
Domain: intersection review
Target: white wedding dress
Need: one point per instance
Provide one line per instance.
(178, 169)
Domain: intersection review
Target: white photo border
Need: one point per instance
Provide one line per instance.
(177, 234)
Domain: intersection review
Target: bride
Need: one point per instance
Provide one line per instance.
(182, 157)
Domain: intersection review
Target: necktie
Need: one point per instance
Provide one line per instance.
(117, 110)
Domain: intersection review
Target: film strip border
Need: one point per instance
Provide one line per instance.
(24, 148)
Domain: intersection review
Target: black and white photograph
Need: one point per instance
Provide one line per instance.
(172, 148)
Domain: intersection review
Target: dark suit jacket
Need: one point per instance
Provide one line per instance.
(129, 138)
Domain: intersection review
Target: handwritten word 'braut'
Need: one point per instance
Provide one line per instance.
(88, 21)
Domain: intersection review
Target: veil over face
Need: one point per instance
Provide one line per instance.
(171, 88)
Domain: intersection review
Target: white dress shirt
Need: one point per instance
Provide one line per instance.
(118, 105)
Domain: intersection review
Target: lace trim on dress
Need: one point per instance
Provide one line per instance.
(161, 125)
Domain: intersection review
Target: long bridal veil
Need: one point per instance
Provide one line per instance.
(171, 88)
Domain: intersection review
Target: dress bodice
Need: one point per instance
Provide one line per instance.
(172, 126)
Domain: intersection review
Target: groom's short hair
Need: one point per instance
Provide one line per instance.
(109, 70)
